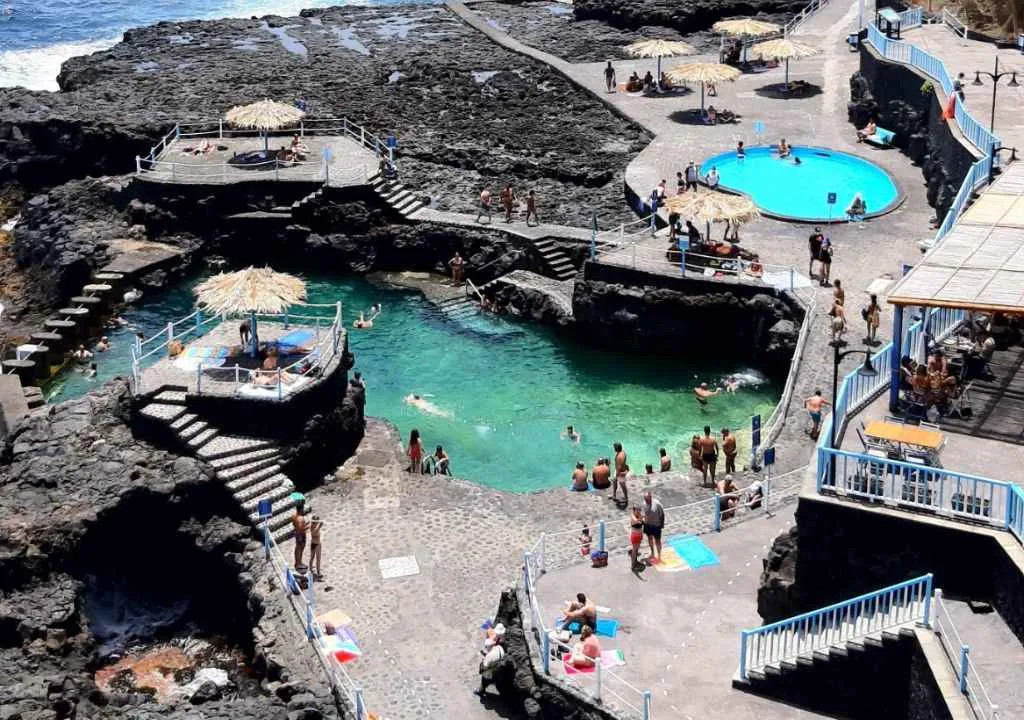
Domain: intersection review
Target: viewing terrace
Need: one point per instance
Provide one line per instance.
(336, 151)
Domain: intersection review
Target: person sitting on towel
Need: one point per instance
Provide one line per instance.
(582, 611)
(587, 652)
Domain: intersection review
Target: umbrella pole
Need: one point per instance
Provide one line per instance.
(701, 97)
(255, 338)
(787, 72)
(658, 79)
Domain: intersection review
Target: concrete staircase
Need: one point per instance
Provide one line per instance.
(557, 262)
(250, 468)
(459, 308)
(396, 195)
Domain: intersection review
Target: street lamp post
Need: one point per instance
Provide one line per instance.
(865, 370)
(996, 76)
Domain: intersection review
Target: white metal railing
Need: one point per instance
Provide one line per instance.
(955, 24)
(775, 422)
(303, 603)
(640, 254)
(905, 604)
(958, 653)
(328, 335)
(155, 167)
(801, 17)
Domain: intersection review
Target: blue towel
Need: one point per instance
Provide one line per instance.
(608, 627)
(296, 339)
(693, 551)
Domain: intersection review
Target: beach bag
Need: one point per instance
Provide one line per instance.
(599, 559)
(864, 313)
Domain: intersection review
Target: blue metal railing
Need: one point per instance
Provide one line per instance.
(910, 18)
(908, 485)
(1015, 513)
(898, 605)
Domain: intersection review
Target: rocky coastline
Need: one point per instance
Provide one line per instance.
(85, 503)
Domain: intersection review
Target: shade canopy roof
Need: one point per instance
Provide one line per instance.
(713, 206)
(260, 290)
(783, 49)
(702, 72)
(264, 115)
(658, 48)
(745, 26)
(979, 265)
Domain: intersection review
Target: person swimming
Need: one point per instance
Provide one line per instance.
(702, 394)
(421, 403)
(571, 434)
(731, 384)
(363, 323)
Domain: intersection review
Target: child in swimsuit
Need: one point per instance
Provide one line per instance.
(636, 535)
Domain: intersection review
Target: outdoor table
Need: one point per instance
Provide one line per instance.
(957, 344)
(930, 440)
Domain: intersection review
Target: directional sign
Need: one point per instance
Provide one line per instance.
(769, 456)
(831, 198)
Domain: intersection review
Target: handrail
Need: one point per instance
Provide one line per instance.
(303, 603)
(835, 624)
(775, 422)
(955, 24)
(475, 290)
(958, 654)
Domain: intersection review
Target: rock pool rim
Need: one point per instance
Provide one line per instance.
(834, 220)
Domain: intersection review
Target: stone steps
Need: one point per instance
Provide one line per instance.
(199, 440)
(171, 397)
(280, 521)
(234, 472)
(164, 412)
(226, 445)
(242, 484)
(191, 430)
(185, 419)
(230, 461)
(273, 488)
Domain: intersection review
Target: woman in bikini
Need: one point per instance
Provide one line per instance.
(415, 453)
(636, 535)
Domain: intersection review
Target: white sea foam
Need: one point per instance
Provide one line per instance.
(37, 68)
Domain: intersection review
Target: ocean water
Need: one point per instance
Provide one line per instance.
(36, 36)
(503, 391)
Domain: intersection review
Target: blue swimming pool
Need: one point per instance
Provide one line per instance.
(785, 188)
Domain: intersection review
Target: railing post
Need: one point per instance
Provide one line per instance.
(170, 336)
(718, 513)
(302, 128)
(309, 621)
(220, 128)
(362, 136)
(965, 651)
(543, 554)
(938, 606)
(928, 600)
(199, 379)
(266, 539)
(546, 649)
(280, 391)
(600, 536)
(792, 283)
(597, 686)
(526, 573)
(647, 704)
(634, 254)
(285, 319)
(743, 655)
(138, 165)
(172, 171)
(360, 707)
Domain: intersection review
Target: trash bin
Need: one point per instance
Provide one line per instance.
(853, 40)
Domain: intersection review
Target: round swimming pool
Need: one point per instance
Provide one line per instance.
(791, 190)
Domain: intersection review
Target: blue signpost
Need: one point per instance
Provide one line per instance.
(755, 440)
(831, 200)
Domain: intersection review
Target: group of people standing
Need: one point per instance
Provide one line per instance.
(704, 452)
(508, 201)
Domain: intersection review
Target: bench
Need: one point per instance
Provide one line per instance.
(881, 138)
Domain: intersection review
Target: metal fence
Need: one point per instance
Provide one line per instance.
(885, 609)
(959, 654)
(303, 601)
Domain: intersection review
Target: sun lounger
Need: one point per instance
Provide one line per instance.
(881, 138)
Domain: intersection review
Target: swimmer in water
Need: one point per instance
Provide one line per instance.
(732, 384)
(421, 403)
(374, 312)
(702, 394)
(571, 434)
(363, 323)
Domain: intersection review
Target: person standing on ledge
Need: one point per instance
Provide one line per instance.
(708, 455)
(814, 404)
(299, 527)
(609, 77)
(691, 176)
(729, 448)
(457, 265)
(314, 546)
(485, 205)
(620, 471)
(531, 208)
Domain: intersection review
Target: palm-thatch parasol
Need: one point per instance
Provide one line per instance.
(702, 73)
(713, 206)
(745, 27)
(253, 290)
(264, 115)
(784, 49)
(658, 49)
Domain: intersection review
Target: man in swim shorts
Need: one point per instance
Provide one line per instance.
(709, 455)
(702, 394)
(579, 478)
(620, 470)
(654, 521)
(600, 475)
(814, 405)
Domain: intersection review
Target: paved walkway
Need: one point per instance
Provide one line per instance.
(680, 631)
(968, 56)
(496, 222)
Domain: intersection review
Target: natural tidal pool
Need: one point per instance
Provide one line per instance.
(503, 390)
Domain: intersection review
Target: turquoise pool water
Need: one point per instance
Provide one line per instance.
(507, 389)
(781, 186)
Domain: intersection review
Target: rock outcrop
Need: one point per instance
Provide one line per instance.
(685, 17)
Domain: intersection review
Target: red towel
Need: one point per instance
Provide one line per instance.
(949, 112)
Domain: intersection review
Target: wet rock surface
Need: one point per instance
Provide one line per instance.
(75, 489)
(466, 112)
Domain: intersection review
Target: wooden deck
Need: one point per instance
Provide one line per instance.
(350, 163)
(220, 380)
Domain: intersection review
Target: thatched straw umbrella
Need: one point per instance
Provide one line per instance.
(702, 73)
(713, 206)
(658, 49)
(253, 290)
(264, 115)
(784, 49)
(745, 27)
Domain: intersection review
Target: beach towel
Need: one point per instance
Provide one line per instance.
(191, 357)
(294, 342)
(670, 561)
(693, 551)
(609, 659)
(607, 627)
(332, 618)
(342, 647)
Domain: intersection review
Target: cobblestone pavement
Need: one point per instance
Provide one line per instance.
(420, 633)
